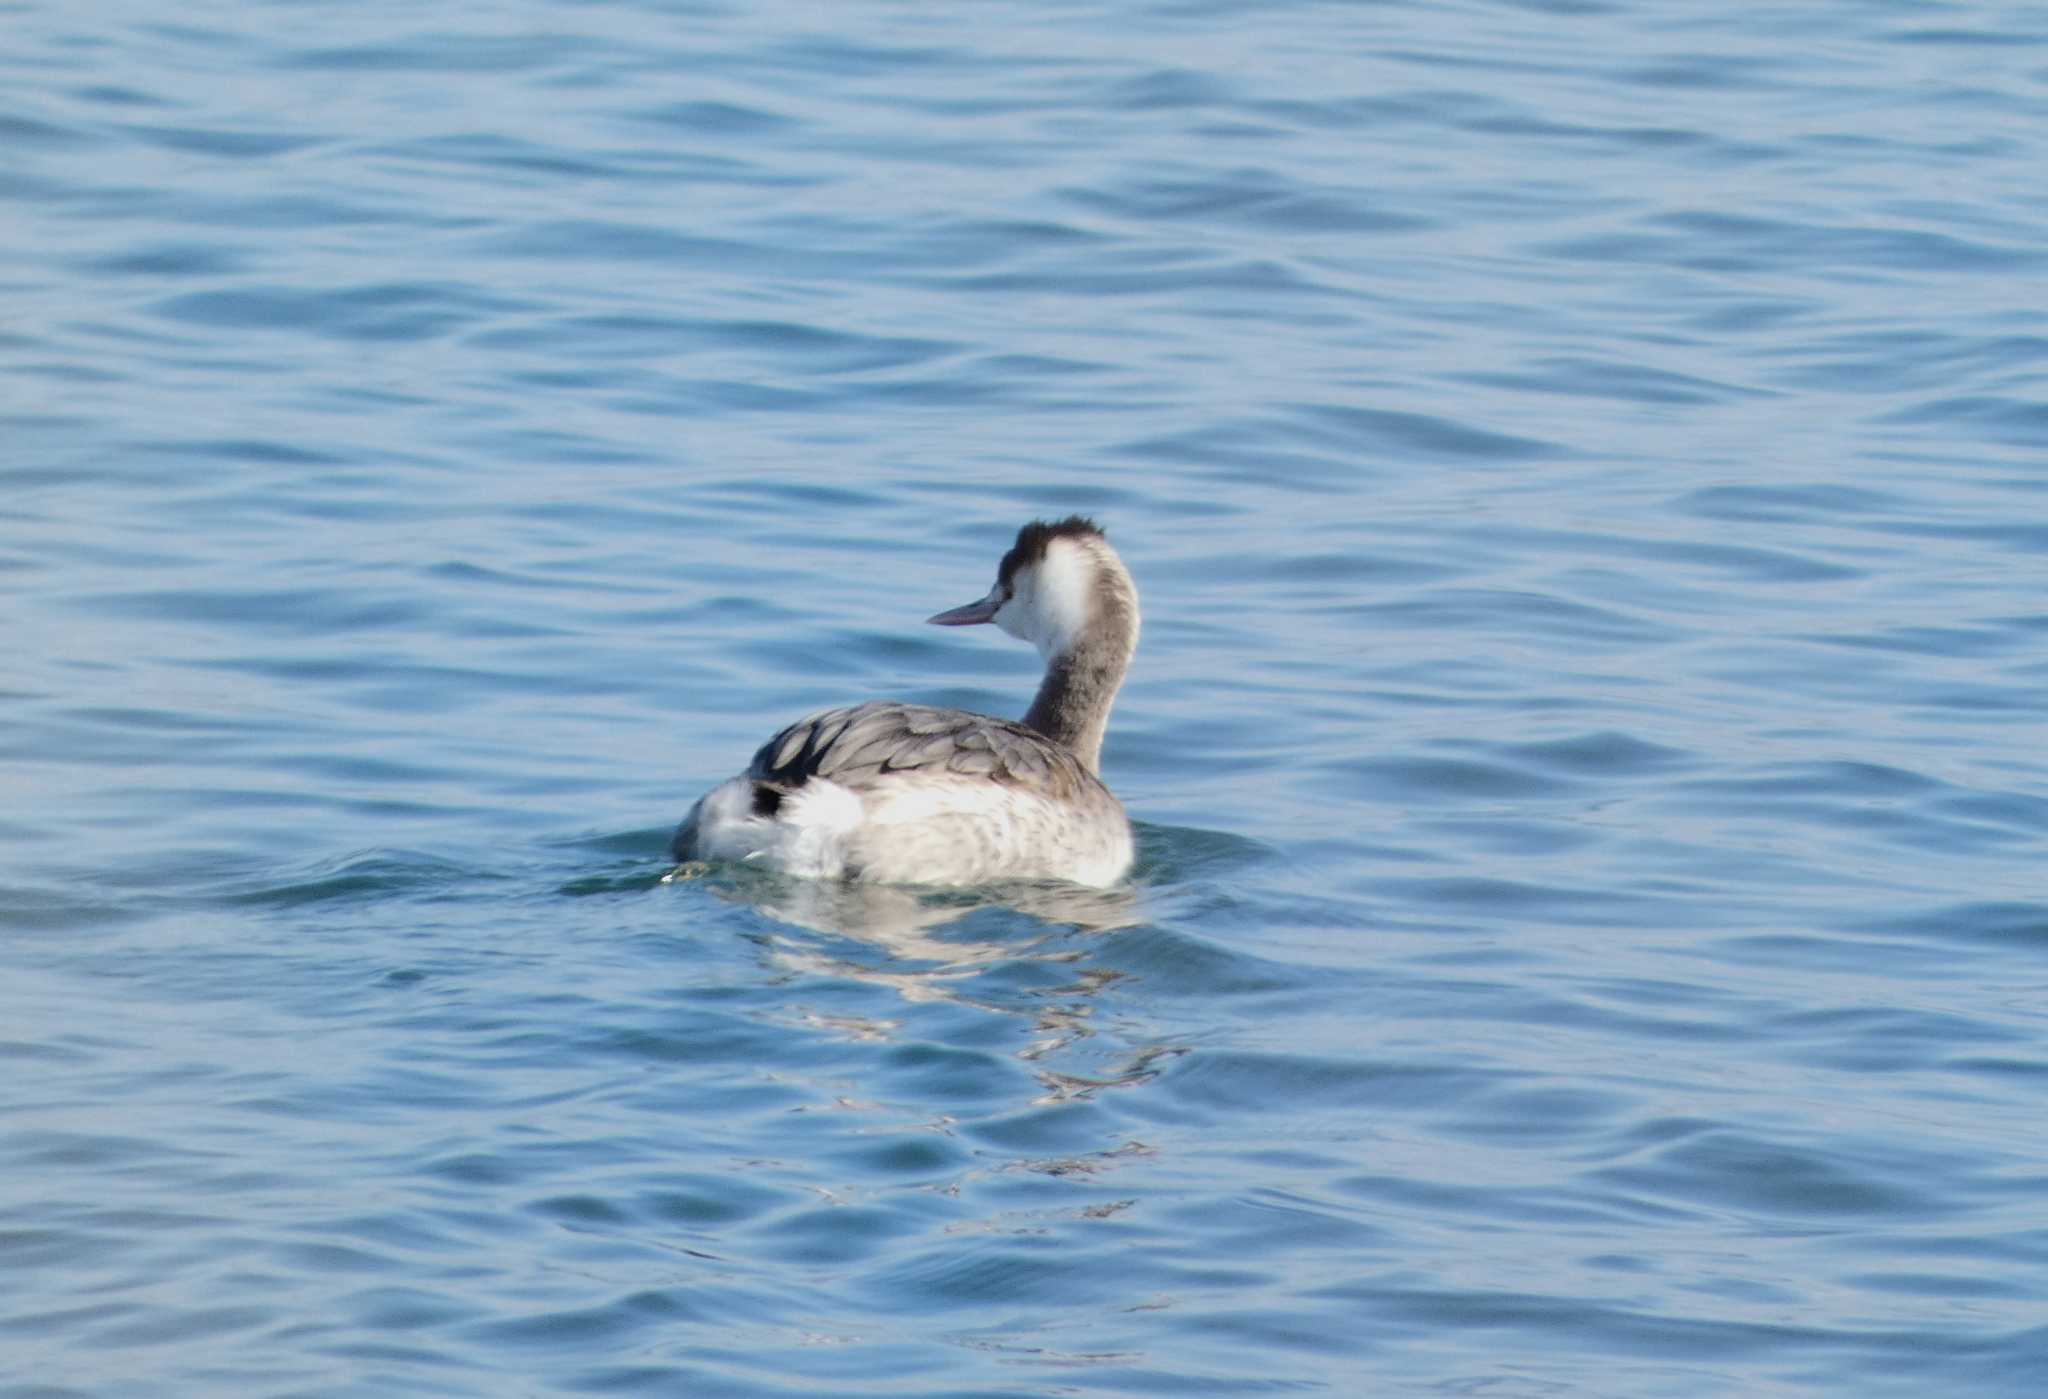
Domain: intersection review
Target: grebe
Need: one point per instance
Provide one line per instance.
(897, 793)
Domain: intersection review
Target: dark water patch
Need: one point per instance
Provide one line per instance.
(1727, 243)
(256, 451)
(946, 1074)
(1168, 89)
(1881, 1040)
(176, 1325)
(1759, 564)
(1987, 36)
(1997, 924)
(696, 1201)
(1603, 755)
(1005, 1272)
(1616, 1331)
(1603, 1008)
(394, 312)
(720, 118)
(2031, 1072)
(632, 862)
(1269, 1221)
(1249, 198)
(129, 737)
(31, 1053)
(372, 877)
(609, 1324)
(1520, 613)
(1243, 1081)
(71, 903)
(708, 1039)
(839, 56)
(1890, 805)
(1172, 855)
(1246, 454)
(2020, 811)
(1053, 1127)
(1494, 834)
(1810, 503)
(1713, 72)
(1779, 1179)
(1345, 573)
(1894, 362)
(613, 241)
(20, 130)
(1405, 108)
(2019, 422)
(1701, 147)
(825, 495)
(171, 259)
(1242, 287)
(1509, 899)
(1934, 1286)
(1526, 1116)
(1505, 1207)
(57, 1150)
(304, 611)
(1001, 239)
(1040, 367)
(1604, 379)
(117, 95)
(1949, 641)
(400, 1308)
(1172, 963)
(453, 54)
(1446, 780)
(2022, 536)
(814, 349)
(837, 1235)
(476, 150)
(1407, 435)
(1842, 779)
(1828, 952)
(233, 144)
(922, 1156)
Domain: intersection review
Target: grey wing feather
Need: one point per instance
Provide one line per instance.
(872, 742)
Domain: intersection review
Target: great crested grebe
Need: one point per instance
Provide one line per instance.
(898, 793)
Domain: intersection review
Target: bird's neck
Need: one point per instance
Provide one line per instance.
(1080, 685)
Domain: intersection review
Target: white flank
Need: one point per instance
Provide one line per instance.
(806, 837)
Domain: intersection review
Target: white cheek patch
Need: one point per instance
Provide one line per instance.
(1060, 597)
(1014, 616)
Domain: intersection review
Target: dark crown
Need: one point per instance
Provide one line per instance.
(1035, 538)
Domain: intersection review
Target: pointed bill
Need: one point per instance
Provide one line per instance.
(973, 612)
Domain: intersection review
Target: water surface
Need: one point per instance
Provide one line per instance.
(1584, 469)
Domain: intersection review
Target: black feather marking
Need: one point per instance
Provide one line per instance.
(873, 742)
(767, 800)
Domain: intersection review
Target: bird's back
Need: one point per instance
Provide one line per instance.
(910, 794)
(863, 745)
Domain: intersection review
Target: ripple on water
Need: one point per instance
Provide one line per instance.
(1586, 491)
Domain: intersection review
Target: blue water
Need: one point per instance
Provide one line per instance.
(1585, 469)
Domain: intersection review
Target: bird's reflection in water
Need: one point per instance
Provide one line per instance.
(897, 918)
(920, 965)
